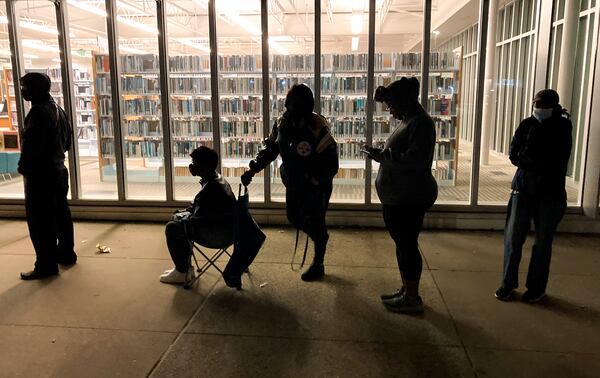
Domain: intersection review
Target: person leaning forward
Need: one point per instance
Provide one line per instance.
(309, 163)
(46, 136)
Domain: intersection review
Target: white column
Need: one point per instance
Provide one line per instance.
(489, 97)
(566, 64)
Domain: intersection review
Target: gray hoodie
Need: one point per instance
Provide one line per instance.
(404, 176)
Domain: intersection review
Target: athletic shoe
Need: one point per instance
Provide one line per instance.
(504, 293)
(396, 293)
(533, 296)
(404, 304)
(174, 276)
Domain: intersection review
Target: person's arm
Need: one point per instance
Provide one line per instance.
(421, 142)
(558, 151)
(35, 138)
(517, 154)
(268, 154)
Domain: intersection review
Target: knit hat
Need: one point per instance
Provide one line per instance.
(547, 96)
(405, 88)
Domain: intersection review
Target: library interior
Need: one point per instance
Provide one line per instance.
(180, 113)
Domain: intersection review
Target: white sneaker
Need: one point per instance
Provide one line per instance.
(172, 276)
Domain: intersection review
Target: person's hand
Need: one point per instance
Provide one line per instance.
(247, 177)
(374, 153)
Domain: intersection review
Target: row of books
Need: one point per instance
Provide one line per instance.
(280, 63)
(445, 105)
(351, 151)
(445, 128)
(240, 148)
(143, 128)
(181, 107)
(183, 149)
(144, 148)
(242, 128)
(140, 84)
(141, 106)
(444, 151)
(194, 128)
(443, 173)
(252, 105)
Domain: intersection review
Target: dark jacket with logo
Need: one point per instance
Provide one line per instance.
(404, 176)
(46, 137)
(308, 152)
(541, 152)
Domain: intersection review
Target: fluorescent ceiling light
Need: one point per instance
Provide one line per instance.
(435, 32)
(8, 53)
(195, 45)
(133, 50)
(39, 46)
(121, 19)
(354, 43)
(277, 47)
(56, 60)
(358, 5)
(356, 23)
(28, 24)
(87, 8)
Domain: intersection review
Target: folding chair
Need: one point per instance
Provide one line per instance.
(211, 261)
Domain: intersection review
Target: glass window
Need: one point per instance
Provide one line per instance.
(240, 89)
(190, 89)
(92, 91)
(39, 40)
(11, 183)
(344, 46)
(513, 87)
(140, 100)
(292, 61)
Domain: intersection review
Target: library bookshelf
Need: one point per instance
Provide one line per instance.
(84, 103)
(343, 103)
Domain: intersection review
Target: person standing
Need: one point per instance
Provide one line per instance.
(46, 136)
(540, 149)
(405, 185)
(310, 161)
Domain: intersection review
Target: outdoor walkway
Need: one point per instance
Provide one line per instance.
(109, 316)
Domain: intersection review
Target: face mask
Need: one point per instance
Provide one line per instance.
(542, 114)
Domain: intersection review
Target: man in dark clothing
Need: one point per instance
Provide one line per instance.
(540, 148)
(208, 220)
(46, 137)
(310, 161)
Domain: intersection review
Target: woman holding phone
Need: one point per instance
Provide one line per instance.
(405, 185)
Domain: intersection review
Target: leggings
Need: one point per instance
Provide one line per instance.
(404, 224)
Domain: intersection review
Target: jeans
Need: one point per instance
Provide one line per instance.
(404, 224)
(546, 214)
(48, 217)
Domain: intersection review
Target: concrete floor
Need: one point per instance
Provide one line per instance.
(108, 316)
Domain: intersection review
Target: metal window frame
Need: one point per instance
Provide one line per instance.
(115, 78)
(66, 68)
(165, 103)
(18, 65)
(266, 100)
(370, 102)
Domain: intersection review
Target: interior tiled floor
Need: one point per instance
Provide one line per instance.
(109, 316)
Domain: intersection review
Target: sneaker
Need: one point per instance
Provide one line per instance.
(314, 272)
(531, 296)
(404, 304)
(173, 276)
(504, 293)
(396, 293)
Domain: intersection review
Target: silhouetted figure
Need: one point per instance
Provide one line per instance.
(46, 137)
(405, 185)
(310, 161)
(208, 220)
(540, 148)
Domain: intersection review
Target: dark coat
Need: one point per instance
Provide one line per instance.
(541, 152)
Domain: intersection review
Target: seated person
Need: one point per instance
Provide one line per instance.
(207, 221)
